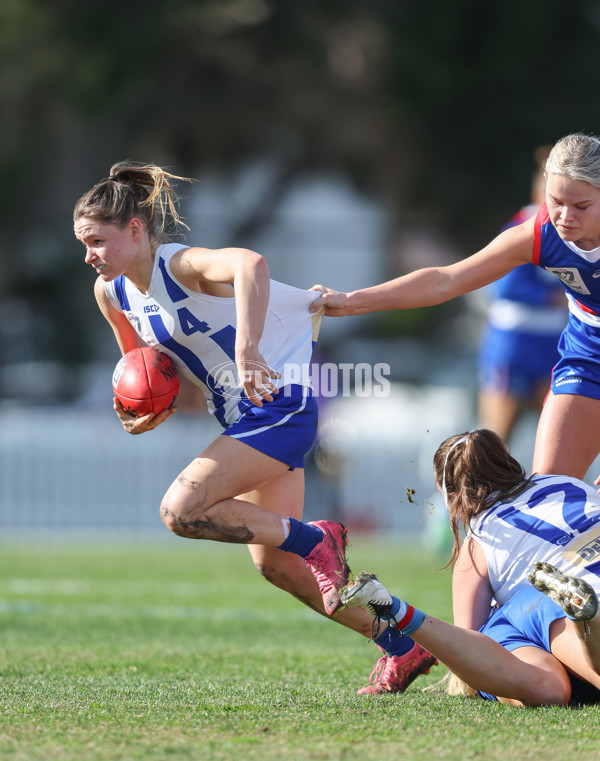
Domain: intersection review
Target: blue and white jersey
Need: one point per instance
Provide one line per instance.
(556, 519)
(578, 270)
(197, 331)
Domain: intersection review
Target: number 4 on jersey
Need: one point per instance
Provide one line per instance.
(225, 338)
(190, 323)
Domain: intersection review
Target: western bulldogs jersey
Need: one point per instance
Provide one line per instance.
(197, 331)
(555, 519)
(578, 270)
(526, 283)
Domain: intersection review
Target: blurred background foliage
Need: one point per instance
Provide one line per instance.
(430, 107)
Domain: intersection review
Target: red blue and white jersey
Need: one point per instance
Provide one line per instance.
(555, 519)
(578, 270)
(197, 331)
(526, 284)
(528, 299)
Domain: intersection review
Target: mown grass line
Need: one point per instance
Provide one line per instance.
(179, 650)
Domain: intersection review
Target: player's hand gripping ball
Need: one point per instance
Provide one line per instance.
(144, 381)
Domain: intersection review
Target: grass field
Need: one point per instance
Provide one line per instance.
(178, 650)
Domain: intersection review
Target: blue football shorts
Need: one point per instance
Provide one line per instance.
(514, 362)
(283, 429)
(524, 621)
(578, 369)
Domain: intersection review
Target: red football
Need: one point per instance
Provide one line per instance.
(144, 381)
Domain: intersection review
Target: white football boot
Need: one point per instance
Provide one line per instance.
(574, 595)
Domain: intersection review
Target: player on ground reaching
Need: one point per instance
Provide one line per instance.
(564, 239)
(529, 653)
(510, 521)
(218, 315)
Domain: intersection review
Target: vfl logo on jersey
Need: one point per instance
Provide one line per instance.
(571, 277)
(135, 321)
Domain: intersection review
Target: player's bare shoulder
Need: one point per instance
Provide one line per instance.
(187, 266)
(513, 246)
(521, 236)
(100, 290)
(102, 299)
(204, 270)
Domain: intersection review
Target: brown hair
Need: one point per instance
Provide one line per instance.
(473, 470)
(135, 190)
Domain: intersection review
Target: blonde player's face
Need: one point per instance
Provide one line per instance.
(110, 250)
(574, 209)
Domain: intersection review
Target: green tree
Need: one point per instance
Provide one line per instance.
(431, 107)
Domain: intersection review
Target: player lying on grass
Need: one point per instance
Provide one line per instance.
(528, 653)
(510, 520)
(246, 341)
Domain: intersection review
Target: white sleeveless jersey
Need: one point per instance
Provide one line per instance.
(197, 331)
(556, 520)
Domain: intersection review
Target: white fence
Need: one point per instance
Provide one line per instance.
(73, 469)
(66, 468)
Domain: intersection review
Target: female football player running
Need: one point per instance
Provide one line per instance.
(247, 342)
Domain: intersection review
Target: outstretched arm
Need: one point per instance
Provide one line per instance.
(435, 285)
